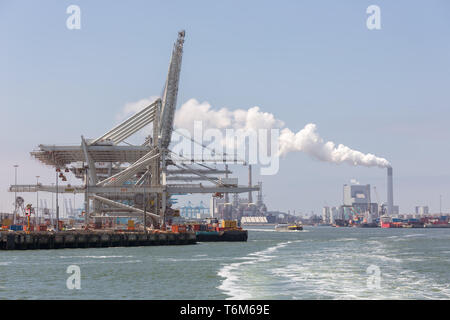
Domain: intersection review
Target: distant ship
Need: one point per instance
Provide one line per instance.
(288, 227)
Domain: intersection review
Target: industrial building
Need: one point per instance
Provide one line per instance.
(357, 205)
(326, 215)
(356, 194)
(238, 207)
(422, 210)
(190, 211)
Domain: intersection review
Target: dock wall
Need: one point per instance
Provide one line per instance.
(86, 239)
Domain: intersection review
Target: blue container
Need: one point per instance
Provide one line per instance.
(122, 220)
(396, 220)
(16, 227)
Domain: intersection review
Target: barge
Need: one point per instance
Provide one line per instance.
(226, 235)
(214, 230)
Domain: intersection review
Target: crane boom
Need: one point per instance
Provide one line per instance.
(378, 198)
(169, 99)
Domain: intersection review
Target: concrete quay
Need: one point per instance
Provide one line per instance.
(20, 240)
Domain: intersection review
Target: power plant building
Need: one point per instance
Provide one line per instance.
(356, 194)
(422, 210)
(357, 200)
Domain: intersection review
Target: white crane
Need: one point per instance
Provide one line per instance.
(378, 198)
(169, 98)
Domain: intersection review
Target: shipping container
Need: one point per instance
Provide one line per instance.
(178, 228)
(16, 227)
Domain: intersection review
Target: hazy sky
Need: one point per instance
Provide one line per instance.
(384, 91)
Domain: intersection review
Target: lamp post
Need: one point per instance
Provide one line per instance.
(36, 216)
(15, 193)
(57, 207)
(86, 198)
(53, 208)
(145, 200)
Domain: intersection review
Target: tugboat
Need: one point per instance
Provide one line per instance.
(288, 227)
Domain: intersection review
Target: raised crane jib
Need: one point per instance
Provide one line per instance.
(169, 98)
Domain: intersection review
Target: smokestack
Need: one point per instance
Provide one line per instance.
(390, 192)
(250, 200)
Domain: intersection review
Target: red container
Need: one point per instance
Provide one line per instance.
(42, 227)
(219, 229)
(178, 228)
(196, 227)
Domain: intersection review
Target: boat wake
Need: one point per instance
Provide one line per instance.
(234, 282)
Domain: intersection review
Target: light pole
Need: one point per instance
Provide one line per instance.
(145, 213)
(57, 207)
(15, 193)
(53, 208)
(145, 201)
(86, 198)
(37, 204)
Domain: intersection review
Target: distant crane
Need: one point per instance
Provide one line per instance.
(378, 198)
(169, 98)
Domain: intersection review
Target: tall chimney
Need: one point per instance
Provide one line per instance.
(250, 200)
(390, 192)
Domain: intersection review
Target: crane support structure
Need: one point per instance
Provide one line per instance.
(169, 99)
(117, 175)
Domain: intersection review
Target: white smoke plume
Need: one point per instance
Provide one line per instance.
(306, 140)
(223, 118)
(309, 141)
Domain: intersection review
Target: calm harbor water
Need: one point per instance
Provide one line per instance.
(317, 263)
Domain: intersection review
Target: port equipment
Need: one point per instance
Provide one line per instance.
(115, 173)
(378, 198)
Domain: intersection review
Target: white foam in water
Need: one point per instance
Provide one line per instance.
(95, 257)
(414, 235)
(326, 264)
(193, 259)
(342, 275)
(98, 262)
(232, 284)
(345, 239)
(333, 272)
